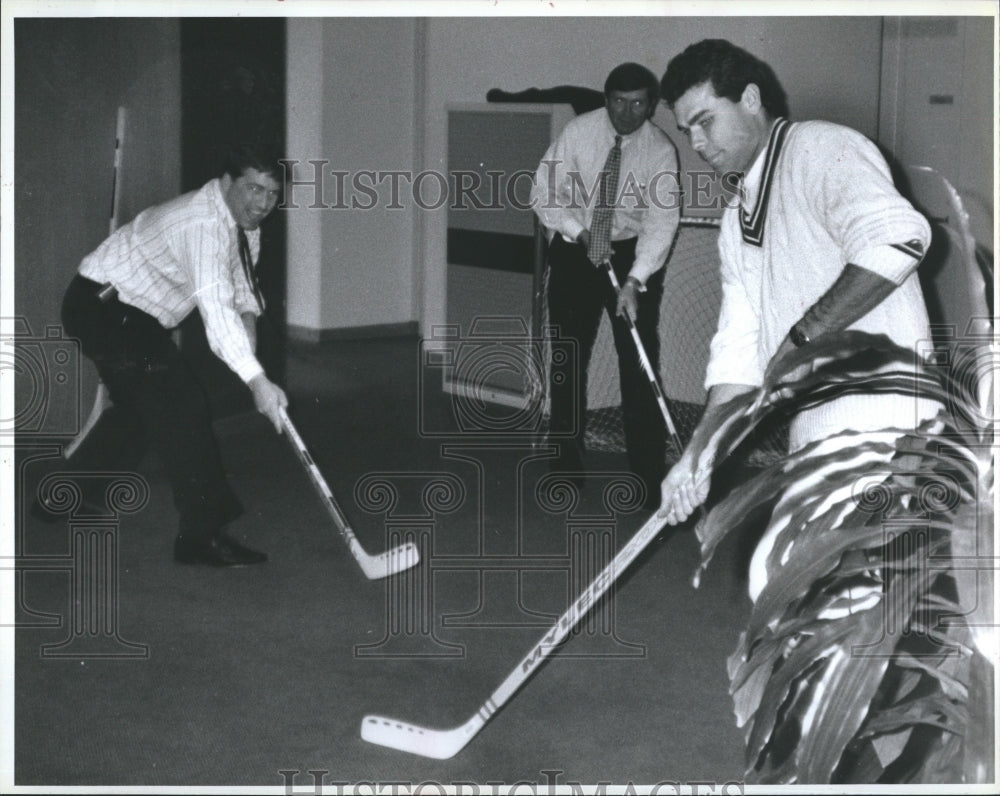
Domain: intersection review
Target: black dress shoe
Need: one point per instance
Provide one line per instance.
(216, 551)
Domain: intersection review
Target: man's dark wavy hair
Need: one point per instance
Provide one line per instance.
(729, 69)
(263, 156)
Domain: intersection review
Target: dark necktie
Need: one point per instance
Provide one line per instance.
(248, 269)
(604, 212)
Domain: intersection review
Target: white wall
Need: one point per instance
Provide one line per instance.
(383, 86)
(70, 77)
(939, 98)
(304, 141)
(467, 57)
(351, 104)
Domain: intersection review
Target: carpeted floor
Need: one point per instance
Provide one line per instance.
(194, 676)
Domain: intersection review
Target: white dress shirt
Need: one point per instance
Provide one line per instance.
(180, 255)
(566, 187)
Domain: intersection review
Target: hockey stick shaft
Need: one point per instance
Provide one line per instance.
(644, 363)
(339, 519)
(116, 183)
(102, 400)
(443, 744)
(378, 566)
(587, 599)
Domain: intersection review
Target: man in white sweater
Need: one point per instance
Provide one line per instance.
(817, 240)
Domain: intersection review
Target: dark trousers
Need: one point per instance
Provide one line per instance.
(158, 403)
(578, 293)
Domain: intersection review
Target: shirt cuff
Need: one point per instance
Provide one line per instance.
(642, 272)
(248, 369)
(641, 287)
(248, 309)
(892, 262)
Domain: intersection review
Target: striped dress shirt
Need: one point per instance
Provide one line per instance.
(180, 255)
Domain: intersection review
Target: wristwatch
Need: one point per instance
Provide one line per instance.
(638, 285)
(797, 336)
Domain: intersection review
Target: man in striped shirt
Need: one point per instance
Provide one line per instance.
(194, 252)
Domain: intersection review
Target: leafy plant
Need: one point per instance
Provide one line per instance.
(869, 655)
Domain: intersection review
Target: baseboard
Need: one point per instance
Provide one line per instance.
(375, 331)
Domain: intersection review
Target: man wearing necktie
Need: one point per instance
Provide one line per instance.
(607, 189)
(195, 252)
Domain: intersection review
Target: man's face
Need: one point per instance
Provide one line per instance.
(628, 109)
(251, 196)
(726, 134)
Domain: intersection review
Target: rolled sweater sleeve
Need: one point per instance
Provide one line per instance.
(875, 227)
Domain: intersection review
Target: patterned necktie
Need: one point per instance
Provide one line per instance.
(604, 212)
(248, 270)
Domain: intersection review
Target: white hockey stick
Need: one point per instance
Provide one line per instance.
(647, 369)
(379, 566)
(442, 744)
(102, 400)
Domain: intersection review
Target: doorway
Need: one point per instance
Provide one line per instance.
(233, 88)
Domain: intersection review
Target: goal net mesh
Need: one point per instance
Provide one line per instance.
(688, 318)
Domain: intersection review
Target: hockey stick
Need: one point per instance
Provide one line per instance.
(647, 369)
(379, 566)
(102, 400)
(442, 744)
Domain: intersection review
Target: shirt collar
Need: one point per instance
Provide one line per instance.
(219, 201)
(226, 216)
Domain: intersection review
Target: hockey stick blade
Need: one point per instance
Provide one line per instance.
(384, 564)
(423, 741)
(377, 566)
(443, 744)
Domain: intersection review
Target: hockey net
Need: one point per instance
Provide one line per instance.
(688, 318)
